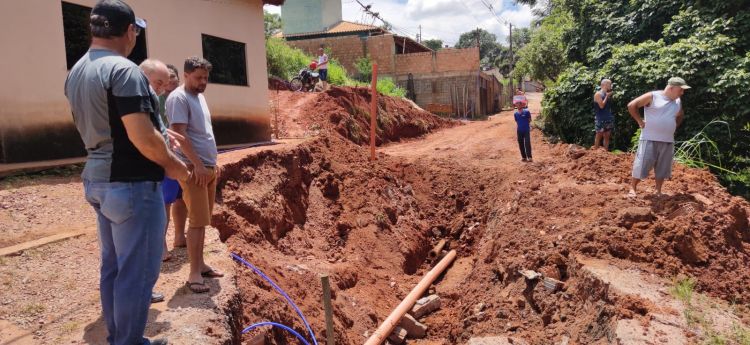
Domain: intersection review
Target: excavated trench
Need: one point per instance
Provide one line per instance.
(322, 207)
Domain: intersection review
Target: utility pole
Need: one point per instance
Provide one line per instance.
(510, 69)
(419, 39)
(510, 38)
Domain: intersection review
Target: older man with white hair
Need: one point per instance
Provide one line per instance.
(604, 120)
(663, 114)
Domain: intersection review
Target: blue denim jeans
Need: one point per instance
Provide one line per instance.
(131, 223)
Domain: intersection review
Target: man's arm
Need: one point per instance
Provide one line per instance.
(602, 102)
(202, 174)
(680, 117)
(150, 144)
(634, 105)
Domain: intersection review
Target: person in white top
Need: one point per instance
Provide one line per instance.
(663, 114)
(323, 66)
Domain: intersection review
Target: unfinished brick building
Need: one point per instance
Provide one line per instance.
(448, 81)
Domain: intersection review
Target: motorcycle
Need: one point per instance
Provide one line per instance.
(305, 79)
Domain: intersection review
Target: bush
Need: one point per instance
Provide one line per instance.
(284, 61)
(707, 46)
(364, 69)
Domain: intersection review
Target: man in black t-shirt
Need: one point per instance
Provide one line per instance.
(116, 115)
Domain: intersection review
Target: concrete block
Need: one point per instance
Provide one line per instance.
(398, 336)
(414, 328)
(425, 306)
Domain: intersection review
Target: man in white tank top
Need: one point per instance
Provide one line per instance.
(663, 113)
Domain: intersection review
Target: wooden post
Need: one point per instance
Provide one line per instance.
(276, 114)
(374, 110)
(328, 309)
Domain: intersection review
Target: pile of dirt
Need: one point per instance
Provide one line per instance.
(346, 110)
(323, 207)
(700, 232)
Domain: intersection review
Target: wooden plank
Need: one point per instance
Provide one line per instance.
(40, 242)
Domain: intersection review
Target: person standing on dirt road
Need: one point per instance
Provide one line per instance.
(663, 114)
(604, 120)
(323, 67)
(523, 131)
(174, 206)
(158, 78)
(117, 118)
(189, 116)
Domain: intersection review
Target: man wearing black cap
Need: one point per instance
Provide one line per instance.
(117, 117)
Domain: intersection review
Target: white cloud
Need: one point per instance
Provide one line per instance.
(442, 19)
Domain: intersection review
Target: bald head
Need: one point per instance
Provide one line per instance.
(157, 74)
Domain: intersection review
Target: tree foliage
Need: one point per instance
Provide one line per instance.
(271, 23)
(639, 44)
(543, 58)
(434, 44)
(489, 49)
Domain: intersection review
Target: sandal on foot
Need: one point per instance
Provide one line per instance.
(211, 274)
(197, 287)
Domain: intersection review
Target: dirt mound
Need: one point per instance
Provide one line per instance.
(322, 207)
(346, 110)
(701, 231)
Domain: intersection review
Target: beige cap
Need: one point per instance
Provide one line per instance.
(677, 81)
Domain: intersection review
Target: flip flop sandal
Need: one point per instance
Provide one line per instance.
(197, 287)
(157, 297)
(211, 274)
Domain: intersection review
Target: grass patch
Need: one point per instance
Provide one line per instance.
(32, 309)
(741, 335)
(700, 148)
(683, 290)
(381, 220)
(70, 327)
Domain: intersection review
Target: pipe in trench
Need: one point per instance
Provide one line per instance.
(394, 318)
(435, 252)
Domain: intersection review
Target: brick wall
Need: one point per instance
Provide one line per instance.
(382, 49)
(444, 60)
(446, 88)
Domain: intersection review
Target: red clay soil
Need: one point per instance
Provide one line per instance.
(323, 207)
(346, 110)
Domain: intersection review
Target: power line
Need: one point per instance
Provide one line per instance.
(491, 8)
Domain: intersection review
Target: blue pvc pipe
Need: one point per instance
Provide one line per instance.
(274, 324)
(279, 290)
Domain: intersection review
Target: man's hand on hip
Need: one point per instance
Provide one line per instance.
(201, 175)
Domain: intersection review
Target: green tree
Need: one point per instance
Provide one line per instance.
(543, 58)
(489, 49)
(434, 44)
(521, 37)
(639, 44)
(271, 23)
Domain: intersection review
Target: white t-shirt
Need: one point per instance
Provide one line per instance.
(661, 118)
(323, 61)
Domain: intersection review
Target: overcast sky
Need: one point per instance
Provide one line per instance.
(443, 19)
